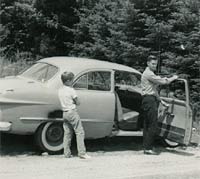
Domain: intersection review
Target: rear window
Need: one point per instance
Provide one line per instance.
(40, 72)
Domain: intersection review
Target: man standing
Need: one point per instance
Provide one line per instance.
(150, 102)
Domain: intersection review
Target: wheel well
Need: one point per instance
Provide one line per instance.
(55, 114)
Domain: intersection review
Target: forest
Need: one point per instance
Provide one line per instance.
(120, 31)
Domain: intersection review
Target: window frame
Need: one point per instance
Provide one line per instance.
(95, 70)
(132, 73)
(47, 69)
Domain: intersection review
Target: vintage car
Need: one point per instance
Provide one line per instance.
(110, 96)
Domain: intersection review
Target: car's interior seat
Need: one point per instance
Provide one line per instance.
(127, 119)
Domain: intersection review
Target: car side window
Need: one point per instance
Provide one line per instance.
(175, 90)
(99, 80)
(127, 78)
(95, 80)
(82, 82)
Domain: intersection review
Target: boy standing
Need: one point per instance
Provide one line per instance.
(69, 99)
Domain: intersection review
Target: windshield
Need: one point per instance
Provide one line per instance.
(40, 71)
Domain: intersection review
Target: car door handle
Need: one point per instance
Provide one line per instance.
(11, 90)
(30, 81)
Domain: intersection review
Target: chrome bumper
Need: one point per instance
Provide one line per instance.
(5, 126)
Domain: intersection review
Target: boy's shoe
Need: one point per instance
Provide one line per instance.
(85, 156)
(150, 152)
(68, 156)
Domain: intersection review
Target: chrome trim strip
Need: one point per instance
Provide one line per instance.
(24, 119)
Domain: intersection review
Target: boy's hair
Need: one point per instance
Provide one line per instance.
(151, 57)
(67, 76)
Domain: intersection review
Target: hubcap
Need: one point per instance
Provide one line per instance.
(54, 133)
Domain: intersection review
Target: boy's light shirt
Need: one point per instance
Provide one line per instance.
(66, 95)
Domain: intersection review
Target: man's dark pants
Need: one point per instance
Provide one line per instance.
(150, 116)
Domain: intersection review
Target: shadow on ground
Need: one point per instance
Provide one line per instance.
(19, 144)
(115, 144)
(13, 145)
(181, 150)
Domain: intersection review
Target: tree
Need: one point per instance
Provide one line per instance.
(103, 32)
(63, 14)
(122, 31)
(40, 27)
(128, 31)
(186, 43)
(16, 20)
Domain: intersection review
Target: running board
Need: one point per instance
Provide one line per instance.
(127, 133)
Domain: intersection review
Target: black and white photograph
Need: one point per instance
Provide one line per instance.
(100, 89)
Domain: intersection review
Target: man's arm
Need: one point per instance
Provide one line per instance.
(174, 77)
(161, 81)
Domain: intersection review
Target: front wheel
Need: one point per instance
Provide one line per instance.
(170, 143)
(49, 137)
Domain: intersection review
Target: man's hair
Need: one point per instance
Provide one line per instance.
(151, 57)
(67, 76)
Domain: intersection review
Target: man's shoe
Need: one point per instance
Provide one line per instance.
(150, 152)
(85, 156)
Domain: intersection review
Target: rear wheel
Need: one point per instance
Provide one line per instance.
(49, 137)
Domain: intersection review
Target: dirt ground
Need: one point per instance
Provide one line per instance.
(116, 158)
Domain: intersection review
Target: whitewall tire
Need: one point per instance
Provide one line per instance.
(170, 143)
(49, 137)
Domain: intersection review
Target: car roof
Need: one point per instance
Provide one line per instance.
(77, 64)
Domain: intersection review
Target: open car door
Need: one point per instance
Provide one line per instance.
(175, 120)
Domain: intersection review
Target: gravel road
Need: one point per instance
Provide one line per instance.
(116, 158)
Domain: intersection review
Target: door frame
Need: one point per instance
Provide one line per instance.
(166, 116)
(97, 127)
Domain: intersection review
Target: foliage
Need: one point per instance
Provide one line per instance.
(128, 31)
(103, 33)
(121, 31)
(61, 17)
(9, 67)
(39, 27)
